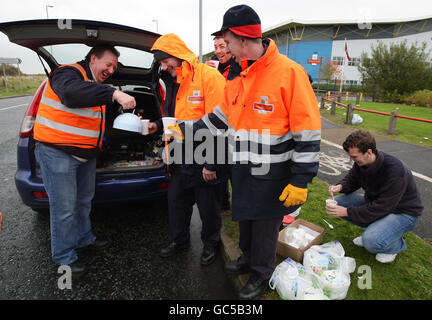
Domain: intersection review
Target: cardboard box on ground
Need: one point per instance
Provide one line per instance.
(313, 233)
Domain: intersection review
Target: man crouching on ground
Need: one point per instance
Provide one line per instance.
(391, 204)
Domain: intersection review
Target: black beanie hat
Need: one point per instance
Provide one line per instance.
(242, 20)
(160, 55)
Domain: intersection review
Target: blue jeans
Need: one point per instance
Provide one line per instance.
(70, 185)
(383, 235)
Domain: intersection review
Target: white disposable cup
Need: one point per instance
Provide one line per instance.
(167, 122)
(145, 123)
(213, 63)
(331, 202)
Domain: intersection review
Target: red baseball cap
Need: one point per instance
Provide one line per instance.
(241, 20)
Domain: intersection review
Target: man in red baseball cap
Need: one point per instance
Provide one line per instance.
(271, 112)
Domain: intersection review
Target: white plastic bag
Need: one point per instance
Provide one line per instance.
(328, 263)
(296, 238)
(292, 282)
(356, 119)
(284, 279)
(309, 288)
(299, 237)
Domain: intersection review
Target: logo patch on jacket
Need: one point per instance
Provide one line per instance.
(196, 98)
(263, 106)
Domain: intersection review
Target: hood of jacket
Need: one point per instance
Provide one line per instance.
(173, 45)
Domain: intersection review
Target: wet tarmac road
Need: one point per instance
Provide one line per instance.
(129, 269)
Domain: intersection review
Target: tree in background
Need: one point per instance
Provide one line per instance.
(329, 70)
(395, 71)
(9, 69)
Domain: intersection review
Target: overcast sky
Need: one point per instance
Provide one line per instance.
(182, 16)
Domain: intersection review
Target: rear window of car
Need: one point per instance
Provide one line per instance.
(73, 52)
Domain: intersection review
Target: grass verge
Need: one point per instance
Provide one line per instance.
(409, 277)
(28, 85)
(406, 130)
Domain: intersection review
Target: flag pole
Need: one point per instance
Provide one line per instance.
(343, 64)
(342, 75)
(343, 68)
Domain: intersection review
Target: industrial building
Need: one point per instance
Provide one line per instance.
(312, 42)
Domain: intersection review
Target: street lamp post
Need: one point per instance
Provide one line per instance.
(157, 25)
(46, 9)
(200, 30)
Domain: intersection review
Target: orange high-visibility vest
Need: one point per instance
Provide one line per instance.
(77, 127)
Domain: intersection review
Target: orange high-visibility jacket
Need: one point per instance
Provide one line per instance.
(273, 118)
(201, 87)
(77, 127)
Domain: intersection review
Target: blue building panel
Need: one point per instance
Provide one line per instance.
(301, 52)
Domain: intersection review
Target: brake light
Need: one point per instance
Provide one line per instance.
(28, 122)
(163, 186)
(40, 195)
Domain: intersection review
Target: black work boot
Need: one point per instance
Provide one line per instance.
(237, 267)
(208, 255)
(173, 248)
(77, 268)
(254, 288)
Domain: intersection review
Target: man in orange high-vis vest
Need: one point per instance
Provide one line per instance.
(68, 130)
(192, 89)
(273, 122)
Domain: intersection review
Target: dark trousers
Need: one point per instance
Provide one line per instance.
(183, 193)
(225, 195)
(258, 242)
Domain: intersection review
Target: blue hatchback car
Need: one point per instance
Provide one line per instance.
(130, 166)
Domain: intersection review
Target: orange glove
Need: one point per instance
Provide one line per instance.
(293, 195)
(176, 132)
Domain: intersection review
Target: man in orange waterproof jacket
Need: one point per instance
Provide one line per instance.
(192, 89)
(273, 122)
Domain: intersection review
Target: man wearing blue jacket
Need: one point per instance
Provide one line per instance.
(391, 203)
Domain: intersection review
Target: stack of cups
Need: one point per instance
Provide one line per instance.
(167, 122)
(145, 123)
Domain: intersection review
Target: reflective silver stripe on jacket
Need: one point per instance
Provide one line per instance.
(307, 135)
(219, 113)
(255, 137)
(188, 123)
(306, 157)
(244, 144)
(239, 156)
(84, 112)
(66, 128)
